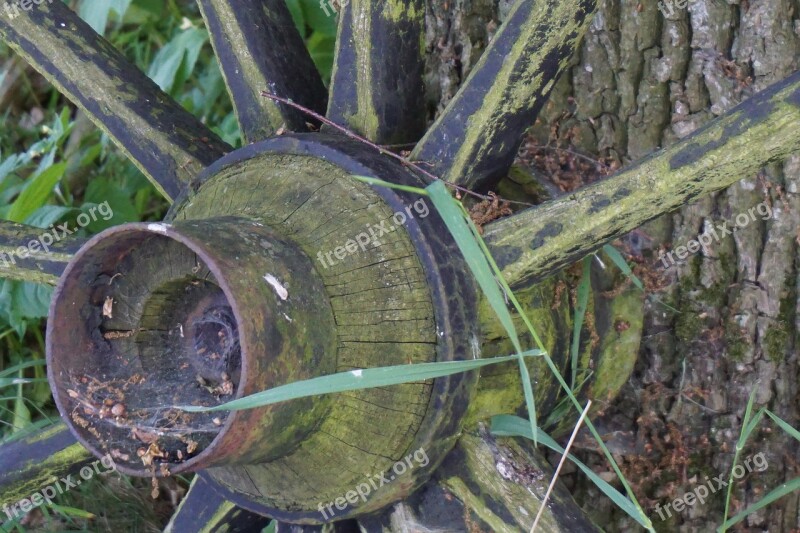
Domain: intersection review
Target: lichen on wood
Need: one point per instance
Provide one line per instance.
(540, 240)
(244, 35)
(475, 140)
(33, 462)
(376, 87)
(24, 257)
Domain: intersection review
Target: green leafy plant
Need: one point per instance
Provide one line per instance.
(749, 424)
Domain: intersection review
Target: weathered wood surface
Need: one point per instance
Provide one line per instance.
(538, 241)
(476, 138)
(485, 484)
(259, 49)
(203, 510)
(377, 88)
(167, 143)
(26, 255)
(33, 462)
(401, 296)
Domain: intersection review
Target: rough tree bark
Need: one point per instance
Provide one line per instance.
(643, 80)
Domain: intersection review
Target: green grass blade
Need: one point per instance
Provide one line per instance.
(356, 380)
(774, 494)
(784, 426)
(514, 426)
(623, 265)
(580, 313)
(745, 422)
(748, 426)
(71, 512)
(456, 223)
(389, 185)
(467, 238)
(551, 365)
(21, 366)
(512, 298)
(618, 260)
(7, 382)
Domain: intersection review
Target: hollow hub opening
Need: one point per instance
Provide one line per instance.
(160, 334)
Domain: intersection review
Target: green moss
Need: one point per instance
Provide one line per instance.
(688, 325)
(735, 341)
(775, 342)
(715, 294)
(778, 334)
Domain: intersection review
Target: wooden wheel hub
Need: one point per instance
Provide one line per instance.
(278, 266)
(195, 313)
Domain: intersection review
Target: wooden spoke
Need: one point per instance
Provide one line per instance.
(259, 49)
(29, 464)
(164, 140)
(474, 141)
(377, 88)
(534, 243)
(343, 526)
(35, 254)
(204, 510)
(469, 493)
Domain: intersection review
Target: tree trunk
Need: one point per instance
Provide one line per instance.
(641, 81)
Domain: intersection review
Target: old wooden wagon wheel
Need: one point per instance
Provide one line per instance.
(238, 290)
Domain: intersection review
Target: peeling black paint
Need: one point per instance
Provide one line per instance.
(550, 230)
(621, 193)
(747, 114)
(505, 255)
(598, 204)
(287, 70)
(395, 85)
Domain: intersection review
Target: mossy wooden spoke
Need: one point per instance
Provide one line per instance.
(259, 49)
(23, 255)
(536, 242)
(377, 88)
(203, 510)
(31, 463)
(164, 140)
(480, 487)
(474, 141)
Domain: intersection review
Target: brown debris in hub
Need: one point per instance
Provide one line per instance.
(100, 408)
(156, 492)
(152, 452)
(114, 335)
